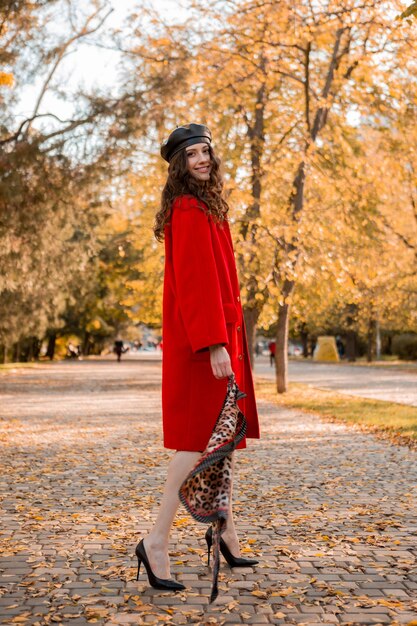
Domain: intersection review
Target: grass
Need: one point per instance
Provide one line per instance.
(397, 422)
(12, 366)
(391, 362)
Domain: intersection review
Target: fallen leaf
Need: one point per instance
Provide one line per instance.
(283, 592)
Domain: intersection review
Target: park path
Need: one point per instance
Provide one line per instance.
(380, 383)
(329, 510)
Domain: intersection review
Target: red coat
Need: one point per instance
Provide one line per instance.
(201, 307)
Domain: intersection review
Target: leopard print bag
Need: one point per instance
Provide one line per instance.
(206, 491)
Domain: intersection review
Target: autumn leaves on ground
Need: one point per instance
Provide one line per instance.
(328, 510)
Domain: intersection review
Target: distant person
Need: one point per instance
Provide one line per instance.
(340, 347)
(313, 344)
(72, 351)
(271, 348)
(119, 349)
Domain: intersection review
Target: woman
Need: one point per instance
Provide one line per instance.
(203, 331)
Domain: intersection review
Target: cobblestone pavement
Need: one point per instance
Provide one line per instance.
(379, 383)
(329, 510)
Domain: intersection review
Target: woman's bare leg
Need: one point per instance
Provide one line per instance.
(156, 542)
(230, 535)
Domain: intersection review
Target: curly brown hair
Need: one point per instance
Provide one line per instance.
(180, 182)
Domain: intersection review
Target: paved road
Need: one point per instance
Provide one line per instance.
(368, 382)
(329, 510)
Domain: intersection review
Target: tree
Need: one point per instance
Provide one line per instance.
(56, 174)
(279, 85)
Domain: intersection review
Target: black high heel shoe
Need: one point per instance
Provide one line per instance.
(158, 583)
(233, 561)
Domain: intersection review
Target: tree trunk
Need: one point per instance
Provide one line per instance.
(251, 318)
(296, 202)
(29, 349)
(370, 339)
(377, 340)
(249, 227)
(281, 350)
(351, 334)
(304, 340)
(16, 352)
(388, 349)
(50, 351)
(36, 348)
(86, 344)
(292, 247)
(351, 345)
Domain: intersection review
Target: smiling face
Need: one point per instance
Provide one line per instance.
(199, 161)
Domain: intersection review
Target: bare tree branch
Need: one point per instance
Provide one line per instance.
(62, 52)
(321, 113)
(307, 86)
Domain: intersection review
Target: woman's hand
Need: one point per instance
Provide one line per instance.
(220, 361)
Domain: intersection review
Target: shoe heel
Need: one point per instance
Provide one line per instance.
(154, 581)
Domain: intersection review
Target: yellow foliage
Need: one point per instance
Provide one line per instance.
(6, 79)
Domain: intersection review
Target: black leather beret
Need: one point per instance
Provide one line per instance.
(183, 136)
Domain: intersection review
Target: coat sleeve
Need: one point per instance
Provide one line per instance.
(196, 278)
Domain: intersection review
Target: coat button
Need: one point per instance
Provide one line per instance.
(239, 328)
(240, 357)
(238, 298)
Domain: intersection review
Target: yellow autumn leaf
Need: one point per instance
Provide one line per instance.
(390, 603)
(95, 613)
(284, 592)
